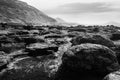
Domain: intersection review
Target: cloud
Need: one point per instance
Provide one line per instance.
(78, 8)
(88, 13)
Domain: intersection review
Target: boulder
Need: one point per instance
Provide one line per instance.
(91, 60)
(95, 39)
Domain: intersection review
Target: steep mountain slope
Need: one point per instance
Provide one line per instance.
(15, 11)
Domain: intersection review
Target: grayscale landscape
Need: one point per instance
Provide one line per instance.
(59, 40)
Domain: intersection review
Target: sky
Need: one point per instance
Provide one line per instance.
(90, 12)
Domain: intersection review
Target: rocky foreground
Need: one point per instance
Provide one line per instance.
(59, 52)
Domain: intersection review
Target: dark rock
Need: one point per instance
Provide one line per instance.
(11, 47)
(77, 29)
(29, 40)
(40, 49)
(115, 36)
(96, 29)
(91, 60)
(95, 39)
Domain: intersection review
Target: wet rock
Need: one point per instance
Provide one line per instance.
(113, 76)
(91, 60)
(95, 39)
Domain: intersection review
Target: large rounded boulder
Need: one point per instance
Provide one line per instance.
(91, 60)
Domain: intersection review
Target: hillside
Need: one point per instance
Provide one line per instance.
(15, 11)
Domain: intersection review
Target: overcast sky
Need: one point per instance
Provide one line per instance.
(80, 11)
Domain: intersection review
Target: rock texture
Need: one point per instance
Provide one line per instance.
(30, 69)
(87, 60)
